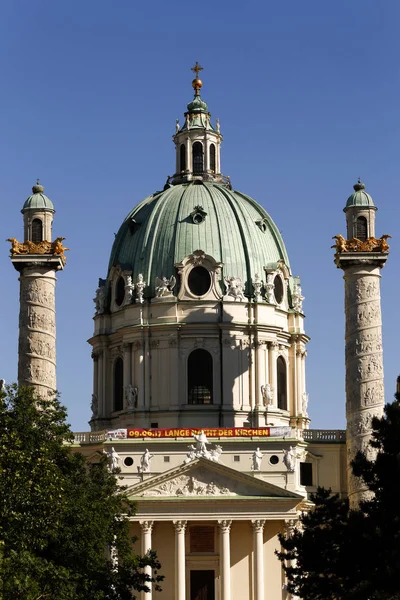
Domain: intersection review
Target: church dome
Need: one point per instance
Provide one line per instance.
(172, 224)
(38, 200)
(359, 197)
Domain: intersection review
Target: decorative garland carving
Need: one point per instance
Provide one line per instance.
(55, 248)
(371, 244)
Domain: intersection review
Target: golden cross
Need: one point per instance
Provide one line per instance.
(196, 69)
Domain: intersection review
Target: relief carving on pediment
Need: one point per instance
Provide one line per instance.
(202, 484)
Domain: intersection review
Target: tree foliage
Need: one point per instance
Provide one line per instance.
(62, 520)
(340, 554)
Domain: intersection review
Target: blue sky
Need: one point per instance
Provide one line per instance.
(308, 98)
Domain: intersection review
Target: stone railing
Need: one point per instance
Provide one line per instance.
(89, 437)
(324, 435)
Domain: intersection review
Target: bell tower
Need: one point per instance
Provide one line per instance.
(361, 256)
(37, 259)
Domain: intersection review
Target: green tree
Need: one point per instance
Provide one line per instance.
(62, 520)
(340, 554)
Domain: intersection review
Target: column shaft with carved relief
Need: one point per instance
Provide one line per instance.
(361, 261)
(37, 327)
(364, 361)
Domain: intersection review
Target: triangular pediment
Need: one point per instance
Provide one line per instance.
(204, 478)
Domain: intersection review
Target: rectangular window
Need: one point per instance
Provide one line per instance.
(306, 474)
(202, 539)
(236, 459)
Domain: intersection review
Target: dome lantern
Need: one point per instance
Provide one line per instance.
(197, 142)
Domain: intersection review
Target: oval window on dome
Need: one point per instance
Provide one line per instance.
(119, 291)
(199, 281)
(278, 289)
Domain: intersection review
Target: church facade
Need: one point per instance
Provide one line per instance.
(199, 375)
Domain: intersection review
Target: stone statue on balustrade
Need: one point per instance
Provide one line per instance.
(257, 286)
(234, 289)
(94, 406)
(129, 289)
(165, 286)
(267, 393)
(256, 460)
(113, 459)
(201, 443)
(140, 285)
(100, 298)
(289, 459)
(304, 404)
(131, 395)
(200, 449)
(297, 297)
(145, 462)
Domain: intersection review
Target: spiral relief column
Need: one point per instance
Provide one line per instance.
(361, 257)
(37, 329)
(37, 259)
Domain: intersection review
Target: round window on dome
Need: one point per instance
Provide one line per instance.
(198, 218)
(278, 289)
(199, 281)
(119, 291)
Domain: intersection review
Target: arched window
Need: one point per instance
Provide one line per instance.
(212, 158)
(282, 383)
(37, 231)
(197, 158)
(200, 377)
(361, 228)
(120, 291)
(119, 384)
(182, 155)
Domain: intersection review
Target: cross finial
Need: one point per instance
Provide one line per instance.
(196, 69)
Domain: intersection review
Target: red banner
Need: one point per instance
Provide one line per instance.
(228, 432)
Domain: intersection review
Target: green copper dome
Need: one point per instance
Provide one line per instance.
(360, 197)
(197, 105)
(170, 225)
(38, 200)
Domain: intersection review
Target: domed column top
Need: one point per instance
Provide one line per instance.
(38, 211)
(197, 141)
(360, 214)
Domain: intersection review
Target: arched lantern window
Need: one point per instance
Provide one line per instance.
(118, 384)
(281, 376)
(212, 158)
(197, 158)
(361, 228)
(200, 377)
(182, 158)
(37, 231)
